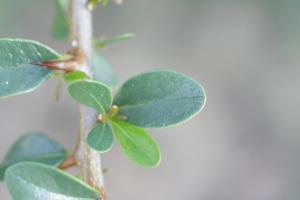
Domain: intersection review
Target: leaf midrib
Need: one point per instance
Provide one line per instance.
(128, 106)
(102, 110)
(124, 132)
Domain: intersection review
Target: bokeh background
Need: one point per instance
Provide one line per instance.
(243, 146)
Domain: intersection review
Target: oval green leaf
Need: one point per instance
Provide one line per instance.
(35, 147)
(61, 27)
(34, 181)
(137, 144)
(18, 74)
(103, 71)
(160, 99)
(92, 94)
(101, 138)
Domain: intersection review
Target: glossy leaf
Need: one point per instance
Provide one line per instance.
(35, 147)
(103, 71)
(101, 43)
(101, 138)
(34, 181)
(76, 75)
(18, 74)
(61, 27)
(92, 94)
(137, 144)
(160, 99)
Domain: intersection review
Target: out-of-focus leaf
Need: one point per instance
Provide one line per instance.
(101, 43)
(103, 71)
(35, 147)
(61, 27)
(94, 3)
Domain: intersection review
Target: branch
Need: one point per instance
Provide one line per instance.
(88, 160)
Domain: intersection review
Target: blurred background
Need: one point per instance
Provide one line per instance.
(243, 146)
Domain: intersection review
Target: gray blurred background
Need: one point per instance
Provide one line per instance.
(243, 146)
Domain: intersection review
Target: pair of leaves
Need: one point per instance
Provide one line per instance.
(35, 147)
(135, 142)
(151, 100)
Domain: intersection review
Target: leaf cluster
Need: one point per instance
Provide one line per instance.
(151, 100)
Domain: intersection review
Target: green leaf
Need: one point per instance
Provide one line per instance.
(18, 74)
(34, 181)
(94, 3)
(160, 99)
(92, 94)
(61, 27)
(100, 43)
(35, 147)
(103, 71)
(137, 144)
(76, 75)
(101, 138)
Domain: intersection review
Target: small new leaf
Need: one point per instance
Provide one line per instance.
(35, 147)
(101, 43)
(103, 71)
(76, 75)
(92, 94)
(18, 72)
(137, 144)
(61, 27)
(101, 138)
(34, 181)
(160, 99)
(94, 3)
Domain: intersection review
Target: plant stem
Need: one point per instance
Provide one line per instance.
(87, 159)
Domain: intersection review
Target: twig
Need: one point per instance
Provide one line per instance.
(87, 159)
